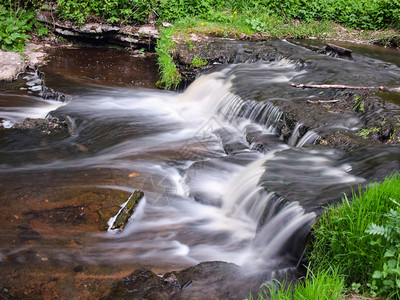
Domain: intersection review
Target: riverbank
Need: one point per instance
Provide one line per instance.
(12, 63)
(189, 46)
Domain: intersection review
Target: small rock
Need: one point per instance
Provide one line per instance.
(78, 269)
(167, 24)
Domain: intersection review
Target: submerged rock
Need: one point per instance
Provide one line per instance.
(44, 126)
(127, 211)
(142, 284)
(207, 280)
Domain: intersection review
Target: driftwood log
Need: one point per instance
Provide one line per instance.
(127, 211)
(322, 101)
(339, 50)
(349, 87)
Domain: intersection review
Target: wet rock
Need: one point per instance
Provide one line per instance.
(231, 141)
(43, 126)
(33, 133)
(127, 211)
(123, 35)
(343, 140)
(207, 280)
(214, 276)
(266, 142)
(374, 162)
(143, 284)
(25, 232)
(170, 279)
(73, 214)
(7, 294)
(78, 269)
(11, 63)
(216, 51)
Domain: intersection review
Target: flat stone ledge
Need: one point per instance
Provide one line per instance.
(11, 63)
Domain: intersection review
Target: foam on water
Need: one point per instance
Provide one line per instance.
(200, 204)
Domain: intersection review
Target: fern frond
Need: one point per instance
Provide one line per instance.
(381, 230)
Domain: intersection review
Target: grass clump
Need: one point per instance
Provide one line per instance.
(321, 285)
(170, 76)
(198, 62)
(348, 237)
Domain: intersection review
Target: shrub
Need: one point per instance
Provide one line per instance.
(17, 19)
(387, 277)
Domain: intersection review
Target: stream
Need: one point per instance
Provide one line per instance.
(220, 183)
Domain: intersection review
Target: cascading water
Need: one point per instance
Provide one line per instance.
(220, 184)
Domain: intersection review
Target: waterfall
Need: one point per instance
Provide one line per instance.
(281, 226)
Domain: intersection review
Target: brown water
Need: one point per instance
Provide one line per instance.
(204, 183)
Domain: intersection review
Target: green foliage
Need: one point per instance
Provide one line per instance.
(132, 11)
(343, 236)
(362, 14)
(170, 77)
(358, 104)
(110, 10)
(386, 280)
(364, 132)
(321, 285)
(17, 20)
(198, 62)
(324, 285)
(256, 24)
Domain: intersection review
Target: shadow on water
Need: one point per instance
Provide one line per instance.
(220, 184)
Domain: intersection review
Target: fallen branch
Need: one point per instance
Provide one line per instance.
(322, 101)
(339, 50)
(349, 87)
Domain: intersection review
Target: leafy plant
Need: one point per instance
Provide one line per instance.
(112, 11)
(170, 77)
(358, 104)
(198, 62)
(256, 24)
(364, 132)
(340, 236)
(17, 20)
(386, 280)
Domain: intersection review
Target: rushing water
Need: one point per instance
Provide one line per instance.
(219, 182)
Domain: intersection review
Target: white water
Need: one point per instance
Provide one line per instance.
(200, 204)
(39, 109)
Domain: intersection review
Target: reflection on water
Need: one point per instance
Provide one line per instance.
(219, 182)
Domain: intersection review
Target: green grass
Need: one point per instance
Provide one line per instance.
(170, 76)
(355, 247)
(340, 238)
(323, 285)
(232, 25)
(198, 62)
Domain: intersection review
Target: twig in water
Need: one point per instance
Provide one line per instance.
(322, 101)
(338, 86)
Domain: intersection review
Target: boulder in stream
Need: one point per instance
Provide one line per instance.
(207, 280)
